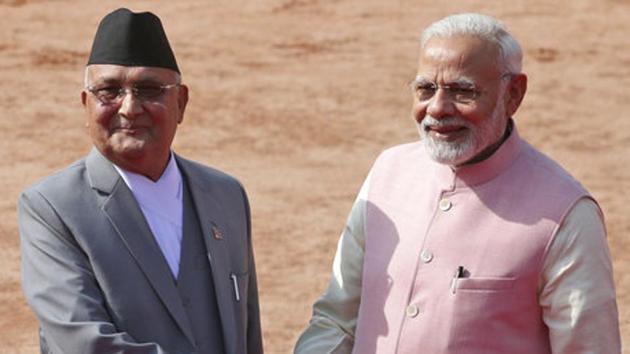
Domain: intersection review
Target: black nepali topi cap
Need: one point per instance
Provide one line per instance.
(132, 39)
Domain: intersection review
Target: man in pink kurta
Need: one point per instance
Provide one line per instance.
(470, 240)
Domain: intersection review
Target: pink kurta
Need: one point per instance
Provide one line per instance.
(495, 219)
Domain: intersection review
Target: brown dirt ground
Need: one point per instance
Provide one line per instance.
(296, 98)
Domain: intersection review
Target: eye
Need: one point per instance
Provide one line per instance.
(425, 91)
(463, 93)
(148, 91)
(107, 92)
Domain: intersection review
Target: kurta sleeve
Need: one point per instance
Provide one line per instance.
(332, 326)
(577, 293)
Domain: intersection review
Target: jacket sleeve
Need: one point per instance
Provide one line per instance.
(332, 326)
(254, 330)
(60, 286)
(577, 289)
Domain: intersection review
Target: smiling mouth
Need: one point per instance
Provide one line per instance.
(130, 130)
(447, 133)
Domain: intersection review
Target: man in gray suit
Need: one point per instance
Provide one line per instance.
(134, 249)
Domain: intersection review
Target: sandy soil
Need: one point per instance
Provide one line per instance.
(296, 98)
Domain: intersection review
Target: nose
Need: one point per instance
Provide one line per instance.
(440, 105)
(130, 106)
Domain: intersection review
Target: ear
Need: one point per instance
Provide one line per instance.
(182, 100)
(84, 103)
(515, 93)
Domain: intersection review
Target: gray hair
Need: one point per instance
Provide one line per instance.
(481, 26)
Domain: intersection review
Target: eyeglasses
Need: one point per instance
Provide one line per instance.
(108, 95)
(460, 92)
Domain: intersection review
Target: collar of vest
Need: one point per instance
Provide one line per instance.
(471, 175)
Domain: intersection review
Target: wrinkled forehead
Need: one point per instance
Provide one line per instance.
(460, 56)
(98, 73)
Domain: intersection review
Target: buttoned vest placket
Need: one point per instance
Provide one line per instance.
(425, 222)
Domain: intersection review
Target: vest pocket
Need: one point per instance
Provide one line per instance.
(484, 313)
(485, 284)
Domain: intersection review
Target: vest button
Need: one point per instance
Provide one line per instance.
(426, 256)
(412, 311)
(445, 204)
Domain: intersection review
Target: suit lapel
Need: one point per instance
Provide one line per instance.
(127, 219)
(212, 220)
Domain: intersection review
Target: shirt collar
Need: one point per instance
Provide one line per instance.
(159, 196)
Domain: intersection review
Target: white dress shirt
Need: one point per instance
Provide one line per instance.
(161, 203)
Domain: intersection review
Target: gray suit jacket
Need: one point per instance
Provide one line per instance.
(96, 278)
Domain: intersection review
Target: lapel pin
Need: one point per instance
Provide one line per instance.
(216, 232)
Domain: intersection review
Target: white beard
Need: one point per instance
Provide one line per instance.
(455, 153)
